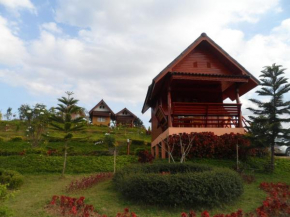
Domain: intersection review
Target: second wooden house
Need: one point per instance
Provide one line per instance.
(125, 117)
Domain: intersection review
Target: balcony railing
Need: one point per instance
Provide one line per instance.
(218, 115)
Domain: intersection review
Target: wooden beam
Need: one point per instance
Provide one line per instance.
(208, 78)
(238, 102)
(169, 107)
(156, 151)
(163, 150)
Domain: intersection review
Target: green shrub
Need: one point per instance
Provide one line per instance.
(4, 195)
(175, 184)
(4, 211)
(3, 192)
(137, 142)
(2, 139)
(16, 139)
(12, 178)
(35, 164)
(138, 150)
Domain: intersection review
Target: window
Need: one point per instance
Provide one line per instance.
(102, 107)
(195, 64)
(101, 119)
(208, 65)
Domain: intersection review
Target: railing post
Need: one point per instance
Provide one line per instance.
(206, 115)
(240, 124)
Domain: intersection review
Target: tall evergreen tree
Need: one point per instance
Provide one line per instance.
(62, 121)
(275, 110)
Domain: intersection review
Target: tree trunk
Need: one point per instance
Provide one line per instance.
(272, 166)
(115, 155)
(65, 157)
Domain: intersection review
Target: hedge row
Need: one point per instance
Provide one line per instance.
(193, 185)
(56, 149)
(11, 178)
(33, 164)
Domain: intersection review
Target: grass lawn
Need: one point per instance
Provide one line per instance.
(37, 191)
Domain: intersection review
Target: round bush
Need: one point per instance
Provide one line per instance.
(174, 184)
(12, 178)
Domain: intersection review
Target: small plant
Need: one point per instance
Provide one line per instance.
(11, 178)
(126, 213)
(88, 182)
(69, 206)
(22, 153)
(51, 152)
(145, 157)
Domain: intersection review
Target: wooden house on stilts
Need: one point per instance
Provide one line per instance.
(188, 95)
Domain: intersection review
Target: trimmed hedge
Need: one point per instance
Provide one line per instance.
(11, 178)
(56, 149)
(16, 139)
(34, 164)
(178, 184)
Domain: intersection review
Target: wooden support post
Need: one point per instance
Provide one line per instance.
(156, 152)
(128, 146)
(239, 102)
(169, 107)
(163, 150)
(153, 151)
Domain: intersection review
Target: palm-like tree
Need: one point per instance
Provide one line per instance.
(274, 86)
(62, 121)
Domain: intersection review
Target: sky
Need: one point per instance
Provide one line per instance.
(112, 49)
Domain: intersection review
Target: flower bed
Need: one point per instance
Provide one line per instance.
(174, 184)
(87, 182)
(70, 206)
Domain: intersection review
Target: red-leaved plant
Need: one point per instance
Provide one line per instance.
(145, 157)
(87, 182)
(69, 206)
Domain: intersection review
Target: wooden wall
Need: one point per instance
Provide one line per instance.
(201, 60)
(95, 121)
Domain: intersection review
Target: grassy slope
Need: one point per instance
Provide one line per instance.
(31, 199)
(93, 133)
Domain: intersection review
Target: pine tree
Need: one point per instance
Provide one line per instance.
(62, 121)
(274, 86)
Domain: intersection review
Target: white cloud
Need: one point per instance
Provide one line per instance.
(51, 27)
(18, 4)
(12, 49)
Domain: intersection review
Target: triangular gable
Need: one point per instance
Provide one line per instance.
(180, 62)
(125, 109)
(202, 38)
(105, 104)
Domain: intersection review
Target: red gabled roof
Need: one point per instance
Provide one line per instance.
(202, 38)
(101, 102)
(125, 109)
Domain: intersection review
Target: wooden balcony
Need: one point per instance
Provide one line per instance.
(206, 115)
